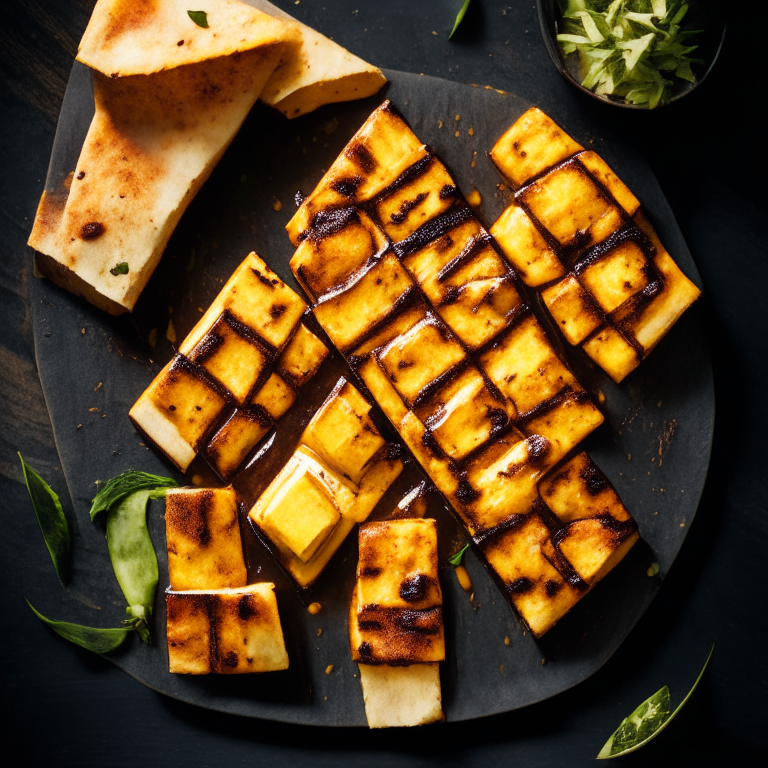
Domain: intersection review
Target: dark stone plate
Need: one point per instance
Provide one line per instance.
(654, 446)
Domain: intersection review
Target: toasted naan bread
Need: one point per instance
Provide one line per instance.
(156, 136)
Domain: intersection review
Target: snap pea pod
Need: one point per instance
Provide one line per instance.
(130, 546)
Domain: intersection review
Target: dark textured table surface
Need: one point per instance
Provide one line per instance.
(64, 706)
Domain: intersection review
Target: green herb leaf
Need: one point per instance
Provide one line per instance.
(456, 559)
(51, 518)
(199, 17)
(647, 721)
(121, 268)
(459, 17)
(122, 486)
(90, 638)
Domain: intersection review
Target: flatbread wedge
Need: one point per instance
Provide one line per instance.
(170, 97)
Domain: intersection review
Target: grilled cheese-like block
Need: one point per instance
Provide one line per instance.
(203, 536)
(576, 233)
(336, 476)
(225, 631)
(396, 622)
(234, 375)
(435, 322)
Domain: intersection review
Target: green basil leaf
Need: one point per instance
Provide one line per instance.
(199, 17)
(459, 17)
(456, 559)
(122, 486)
(90, 638)
(647, 721)
(121, 268)
(51, 518)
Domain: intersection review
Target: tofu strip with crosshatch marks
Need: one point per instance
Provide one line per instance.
(577, 235)
(409, 286)
(396, 622)
(339, 471)
(234, 375)
(216, 622)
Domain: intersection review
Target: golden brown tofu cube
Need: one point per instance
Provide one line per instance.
(257, 298)
(302, 357)
(347, 316)
(615, 186)
(504, 480)
(232, 355)
(322, 264)
(652, 324)
(571, 207)
(419, 357)
(533, 143)
(524, 366)
(301, 515)
(375, 156)
(462, 415)
(403, 210)
(613, 353)
(397, 564)
(525, 247)
(228, 448)
(579, 489)
(225, 631)
(343, 434)
(177, 409)
(616, 277)
(536, 588)
(566, 424)
(573, 309)
(203, 535)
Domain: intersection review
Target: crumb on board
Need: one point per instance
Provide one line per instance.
(329, 669)
(314, 608)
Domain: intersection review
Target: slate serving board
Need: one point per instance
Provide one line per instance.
(654, 446)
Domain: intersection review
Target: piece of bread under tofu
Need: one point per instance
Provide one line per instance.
(170, 97)
(336, 476)
(395, 622)
(203, 538)
(429, 313)
(225, 631)
(220, 393)
(577, 234)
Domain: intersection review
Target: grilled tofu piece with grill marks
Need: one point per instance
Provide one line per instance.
(410, 287)
(396, 623)
(336, 476)
(234, 375)
(577, 234)
(225, 631)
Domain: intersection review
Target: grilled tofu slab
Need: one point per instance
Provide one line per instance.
(234, 375)
(410, 287)
(577, 234)
(203, 536)
(225, 631)
(396, 623)
(339, 471)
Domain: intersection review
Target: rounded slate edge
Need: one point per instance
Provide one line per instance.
(547, 13)
(422, 100)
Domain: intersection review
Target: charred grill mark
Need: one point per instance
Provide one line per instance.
(402, 214)
(414, 588)
(466, 254)
(263, 279)
(406, 177)
(432, 230)
(348, 186)
(483, 537)
(552, 587)
(359, 154)
(520, 586)
(184, 364)
(299, 197)
(207, 346)
(449, 191)
(594, 479)
(326, 223)
(566, 393)
(439, 382)
(465, 493)
(92, 230)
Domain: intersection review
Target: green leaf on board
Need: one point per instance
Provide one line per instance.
(456, 559)
(90, 638)
(647, 721)
(460, 17)
(122, 486)
(51, 518)
(199, 17)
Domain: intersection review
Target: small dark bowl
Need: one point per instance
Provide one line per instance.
(703, 15)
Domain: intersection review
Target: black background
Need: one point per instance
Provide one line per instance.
(63, 706)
